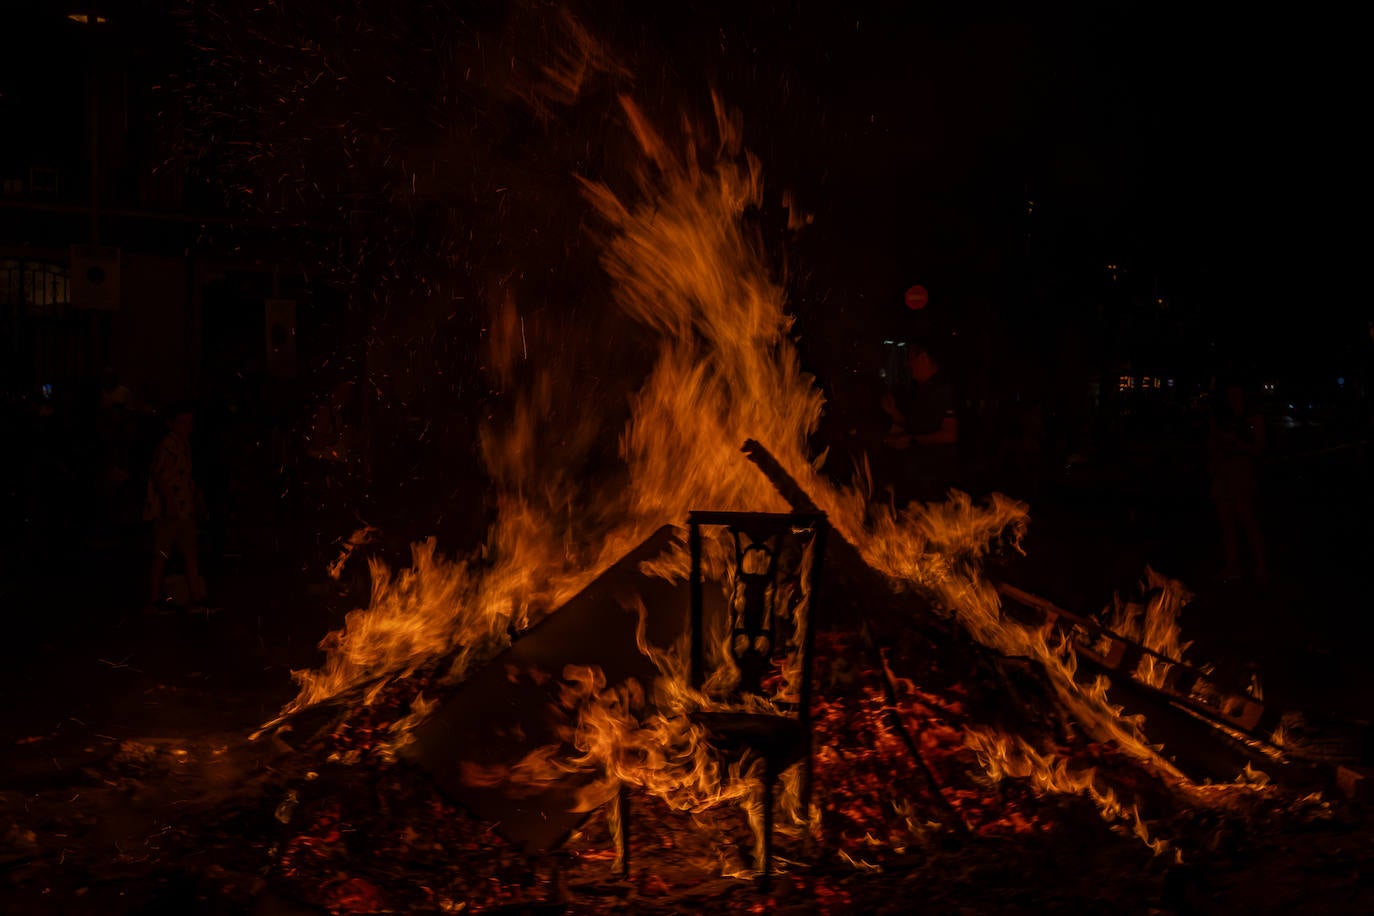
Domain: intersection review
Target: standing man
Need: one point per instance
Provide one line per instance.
(171, 506)
(925, 429)
(1234, 447)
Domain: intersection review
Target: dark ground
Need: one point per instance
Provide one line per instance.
(91, 687)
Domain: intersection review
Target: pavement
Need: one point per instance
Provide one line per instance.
(84, 668)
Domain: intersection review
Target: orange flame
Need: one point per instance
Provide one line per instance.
(1155, 624)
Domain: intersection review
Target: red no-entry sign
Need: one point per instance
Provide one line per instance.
(917, 297)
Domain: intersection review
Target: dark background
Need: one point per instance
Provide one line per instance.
(1113, 206)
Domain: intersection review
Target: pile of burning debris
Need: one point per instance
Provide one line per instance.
(939, 763)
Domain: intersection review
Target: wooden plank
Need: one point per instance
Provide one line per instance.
(1183, 684)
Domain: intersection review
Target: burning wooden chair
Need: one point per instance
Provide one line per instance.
(776, 740)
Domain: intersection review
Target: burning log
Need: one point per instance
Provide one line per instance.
(1183, 683)
(933, 785)
(1213, 731)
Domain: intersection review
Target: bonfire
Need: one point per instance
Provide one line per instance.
(944, 727)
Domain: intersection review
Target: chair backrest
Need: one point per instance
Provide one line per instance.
(765, 558)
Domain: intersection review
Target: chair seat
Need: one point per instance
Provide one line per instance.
(780, 740)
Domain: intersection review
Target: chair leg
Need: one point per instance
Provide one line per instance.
(766, 866)
(558, 879)
(622, 830)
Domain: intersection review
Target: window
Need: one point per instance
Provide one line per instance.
(35, 285)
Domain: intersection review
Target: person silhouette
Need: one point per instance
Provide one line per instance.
(925, 428)
(171, 507)
(1235, 444)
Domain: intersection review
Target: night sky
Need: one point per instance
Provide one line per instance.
(1211, 153)
(1213, 150)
